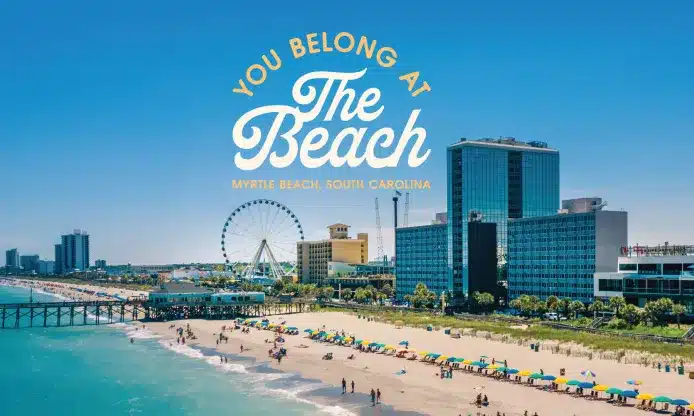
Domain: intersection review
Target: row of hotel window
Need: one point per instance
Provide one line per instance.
(646, 285)
(657, 268)
(546, 266)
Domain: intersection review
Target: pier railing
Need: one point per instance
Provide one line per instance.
(80, 313)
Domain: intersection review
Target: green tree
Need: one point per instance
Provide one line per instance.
(346, 293)
(552, 303)
(657, 309)
(362, 295)
(326, 292)
(678, 310)
(483, 300)
(278, 286)
(564, 306)
(631, 314)
(387, 290)
(617, 303)
(422, 297)
(576, 307)
(597, 306)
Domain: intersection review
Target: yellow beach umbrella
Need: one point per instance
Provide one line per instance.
(599, 387)
(272, 325)
(423, 352)
(493, 367)
(442, 358)
(645, 396)
(691, 406)
(561, 380)
(330, 336)
(467, 362)
(315, 332)
(366, 343)
(525, 373)
(348, 339)
(389, 347)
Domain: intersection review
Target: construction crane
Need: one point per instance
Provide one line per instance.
(380, 254)
(395, 209)
(407, 210)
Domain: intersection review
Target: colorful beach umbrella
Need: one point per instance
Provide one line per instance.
(524, 373)
(424, 353)
(561, 380)
(309, 330)
(467, 362)
(434, 356)
(601, 387)
(512, 371)
(536, 376)
(614, 390)
(548, 377)
(442, 358)
(451, 359)
(679, 402)
(573, 383)
(587, 373)
(635, 382)
(403, 343)
(662, 399)
(691, 406)
(629, 393)
(586, 385)
(645, 396)
(493, 366)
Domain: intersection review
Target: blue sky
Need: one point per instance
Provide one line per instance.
(116, 117)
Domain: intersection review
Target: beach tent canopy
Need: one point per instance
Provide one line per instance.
(614, 390)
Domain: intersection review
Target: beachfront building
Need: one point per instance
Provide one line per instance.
(353, 275)
(645, 273)
(579, 205)
(188, 294)
(29, 263)
(100, 264)
(46, 267)
(559, 254)
(495, 180)
(75, 252)
(312, 257)
(12, 263)
(421, 256)
(58, 259)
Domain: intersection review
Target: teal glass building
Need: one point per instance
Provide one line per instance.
(421, 256)
(558, 255)
(499, 179)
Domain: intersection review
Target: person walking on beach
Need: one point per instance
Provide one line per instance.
(344, 386)
(378, 396)
(352, 386)
(373, 397)
(241, 347)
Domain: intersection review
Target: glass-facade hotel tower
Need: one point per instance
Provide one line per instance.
(499, 179)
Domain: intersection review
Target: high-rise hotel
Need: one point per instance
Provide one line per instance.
(492, 181)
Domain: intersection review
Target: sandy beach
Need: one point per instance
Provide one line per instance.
(420, 389)
(69, 290)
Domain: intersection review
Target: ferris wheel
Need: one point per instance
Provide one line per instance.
(259, 239)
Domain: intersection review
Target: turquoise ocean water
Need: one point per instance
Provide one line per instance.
(96, 370)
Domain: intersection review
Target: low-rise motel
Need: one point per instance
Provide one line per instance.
(189, 294)
(647, 273)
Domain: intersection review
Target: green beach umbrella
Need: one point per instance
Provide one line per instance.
(536, 375)
(662, 399)
(573, 383)
(451, 359)
(613, 390)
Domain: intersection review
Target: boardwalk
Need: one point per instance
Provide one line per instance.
(61, 314)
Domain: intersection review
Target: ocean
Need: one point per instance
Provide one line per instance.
(91, 370)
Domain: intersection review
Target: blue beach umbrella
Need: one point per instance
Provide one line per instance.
(512, 371)
(403, 343)
(679, 402)
(308, 330)
(586, 385)
(629, 393)
(549, 378)
(434, 355)
(451, 359)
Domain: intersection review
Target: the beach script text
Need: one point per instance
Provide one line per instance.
(326, 96)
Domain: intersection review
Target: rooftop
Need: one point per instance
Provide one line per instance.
(183, 287)
(505, 143)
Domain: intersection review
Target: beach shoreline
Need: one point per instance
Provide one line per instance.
(420, 389)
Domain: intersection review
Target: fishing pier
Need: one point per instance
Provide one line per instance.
(82, 313)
